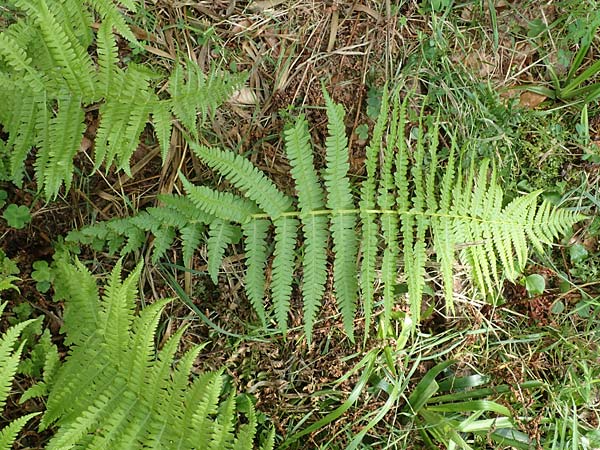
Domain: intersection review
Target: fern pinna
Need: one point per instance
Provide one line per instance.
(116, 391)
(9, 362)
(49, 80)
(402, 202)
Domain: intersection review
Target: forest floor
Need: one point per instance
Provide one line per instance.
(470, 62)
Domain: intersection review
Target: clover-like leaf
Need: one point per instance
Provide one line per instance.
(42, 274)
(535, 284)
(17, 216)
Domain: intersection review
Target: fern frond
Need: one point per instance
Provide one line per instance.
(223, 205)
(17, 58)
(163, 124)
(416, 271)
(220, 235)
(223, 431)
(110, 14)
(339, 199)
(369, 227)
(123, 117)
(114, 392)
(191, 236)
(109, 72)
(286, 229)
(77, 284)
(9, 433)
(9, 362)
(243, 175)
(442, 232)
(310, 199)
(116, 321)
(68, 54)
(255, 244)
(389, 227)
(195, 95)
(9, 358)
(246, 432)
(22, 129)
(54, 165)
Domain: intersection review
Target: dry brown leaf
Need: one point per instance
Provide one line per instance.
(266, 4)
(244, 96)
(531, 100)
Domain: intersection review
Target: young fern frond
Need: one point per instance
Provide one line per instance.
(115, 391)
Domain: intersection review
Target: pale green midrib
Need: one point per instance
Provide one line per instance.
(325, 212)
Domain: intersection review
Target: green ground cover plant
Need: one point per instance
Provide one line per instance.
(376, 236)
(50, 81)
(115, 389)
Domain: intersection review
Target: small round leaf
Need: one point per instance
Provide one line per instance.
(535, 284)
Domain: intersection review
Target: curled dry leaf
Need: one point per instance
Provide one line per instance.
(243, 96)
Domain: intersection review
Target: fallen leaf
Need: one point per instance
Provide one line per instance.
(244, 96)
(531, 99)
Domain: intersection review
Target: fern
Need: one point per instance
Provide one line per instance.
(50, 80)
(408, 204)
(115, 391)
(9, 361)
(178, 215)
(402, 202)
(310, 198)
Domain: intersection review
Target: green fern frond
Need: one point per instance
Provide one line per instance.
(17, 58)
(286, 230)
(223, 205)
(112, 16)
(255, 244)
(314, 228)
(442, 229)
(68, 54)
(109, 73)
(191, 236)
(163, 238)
(54, 165)
(116, 391)
(9, 362)
(343, 221)
(418, 213)
(123, 117)
(244, 176)
(369, 227)
(163, 124)
(126, 235)
(9, 433)
(22, 129)
(195, 95)
(220, 235)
